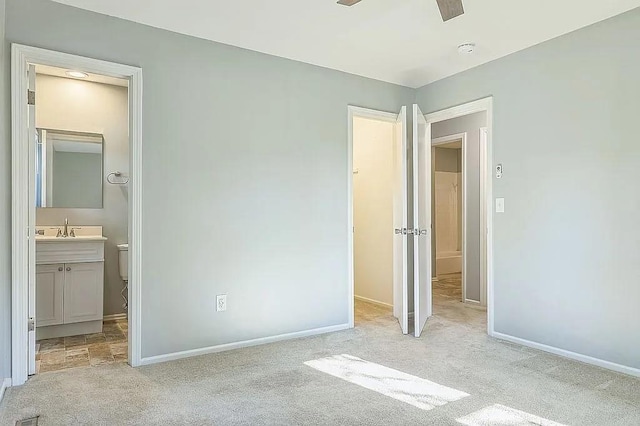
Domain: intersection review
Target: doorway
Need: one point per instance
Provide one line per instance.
(378, 216)
(74, 177)
(449, 216)
(456, 194)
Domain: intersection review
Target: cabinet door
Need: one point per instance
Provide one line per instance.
(49, 294)
(83, 292)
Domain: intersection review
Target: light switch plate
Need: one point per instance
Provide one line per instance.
(499, 205)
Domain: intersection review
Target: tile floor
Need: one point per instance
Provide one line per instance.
(108, 347)
(449, 286)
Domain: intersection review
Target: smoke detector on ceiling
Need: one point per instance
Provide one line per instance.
(466, 48)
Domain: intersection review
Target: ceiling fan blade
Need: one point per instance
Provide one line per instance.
(348, 2)
(449, 9)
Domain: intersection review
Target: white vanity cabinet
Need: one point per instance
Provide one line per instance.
(83, 292)
(49, 294)
(69, 286)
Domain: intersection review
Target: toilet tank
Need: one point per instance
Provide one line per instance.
(123, 261)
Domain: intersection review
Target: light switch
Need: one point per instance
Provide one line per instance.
(499, 205)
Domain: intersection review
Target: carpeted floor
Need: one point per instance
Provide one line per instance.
(271, 385)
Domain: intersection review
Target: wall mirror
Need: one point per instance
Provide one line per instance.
(69, 168)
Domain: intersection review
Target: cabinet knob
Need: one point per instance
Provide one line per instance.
(68, 268)
(60, 268)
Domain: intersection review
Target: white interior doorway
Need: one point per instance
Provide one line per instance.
(449, 207)
(24, 196)
(378, 200)
(424, 258)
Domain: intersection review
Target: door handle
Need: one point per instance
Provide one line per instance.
(68, 268)
(404, 231)
(60, 268)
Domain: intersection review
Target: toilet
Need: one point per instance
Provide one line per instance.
(123, 265)
(123, 261)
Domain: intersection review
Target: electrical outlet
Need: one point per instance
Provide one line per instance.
(221, 302)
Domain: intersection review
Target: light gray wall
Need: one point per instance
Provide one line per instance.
(77, 180)
(244, 177)
(5, 206)
(470, 124)
(565, 127)
(101, 109)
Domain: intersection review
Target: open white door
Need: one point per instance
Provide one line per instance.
(31, 106)
(400, 224)
(421, 219)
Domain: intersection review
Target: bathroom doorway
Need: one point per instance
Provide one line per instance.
(448, 201)
(378, 199)
(76, 143)
(459, 211)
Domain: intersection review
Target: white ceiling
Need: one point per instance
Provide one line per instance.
(399, 41)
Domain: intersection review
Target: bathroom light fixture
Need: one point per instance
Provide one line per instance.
(466, 48)
(77, 74)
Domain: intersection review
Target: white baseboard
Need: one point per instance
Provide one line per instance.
(114, 317)
(4, 384)
(571, 355)
(243, 344)
(373, 302)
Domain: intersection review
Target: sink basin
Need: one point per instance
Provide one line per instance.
(82, 233)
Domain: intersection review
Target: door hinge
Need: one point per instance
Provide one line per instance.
(32, 324)
(31, 97)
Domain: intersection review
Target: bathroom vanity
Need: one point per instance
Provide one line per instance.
(69, 280)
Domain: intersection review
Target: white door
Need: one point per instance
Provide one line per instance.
(49, 294)
(421, 219)
(400, 224)
(31, 109)
(83, 292)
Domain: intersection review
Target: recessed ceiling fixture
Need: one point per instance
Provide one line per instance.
(77, 74)
(466, 48)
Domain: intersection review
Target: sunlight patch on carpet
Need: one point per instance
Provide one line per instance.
(500, 415)
(413, 390)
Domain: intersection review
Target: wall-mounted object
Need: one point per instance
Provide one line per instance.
(498, 171)
(117, 178)
(69, 168)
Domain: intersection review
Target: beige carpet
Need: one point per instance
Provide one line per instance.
(270, 384)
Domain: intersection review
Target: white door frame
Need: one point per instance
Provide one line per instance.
(443, 141)
(23, 184)
(486, 181)
(352, 112)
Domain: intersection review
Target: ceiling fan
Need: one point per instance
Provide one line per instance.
(449, 9)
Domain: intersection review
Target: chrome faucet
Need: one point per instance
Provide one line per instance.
(66, 227)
